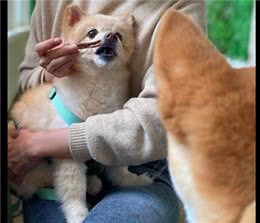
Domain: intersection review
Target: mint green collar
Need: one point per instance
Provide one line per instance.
(48, 194)
(62, 110)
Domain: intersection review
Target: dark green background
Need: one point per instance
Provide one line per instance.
(229, 25)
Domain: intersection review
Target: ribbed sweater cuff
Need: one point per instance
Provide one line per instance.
(78, 143)
(42, 76)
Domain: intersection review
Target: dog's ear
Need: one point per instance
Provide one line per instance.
(182, 48)
(71, 16)
(127, 17)
(183, 57)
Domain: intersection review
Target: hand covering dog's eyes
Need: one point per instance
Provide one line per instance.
(92, 33)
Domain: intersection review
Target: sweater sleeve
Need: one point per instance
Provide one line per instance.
(134, 134)
(31, 74)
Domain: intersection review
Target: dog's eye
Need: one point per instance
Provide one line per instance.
(92, 33)
(119, 36)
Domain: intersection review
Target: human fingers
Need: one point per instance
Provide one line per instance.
(18, 180)
(13, 132)
(43, 47)
(10, 145)
(20, 169)
(61, 63)
(13, 156)
(65, 70)
(65, 50)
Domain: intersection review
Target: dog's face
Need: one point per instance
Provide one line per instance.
(115, 33)
(208, 109)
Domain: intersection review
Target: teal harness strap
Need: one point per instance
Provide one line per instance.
(47, 194)
(62, 110)
(69, 118)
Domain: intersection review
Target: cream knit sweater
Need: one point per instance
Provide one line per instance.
(134, 134)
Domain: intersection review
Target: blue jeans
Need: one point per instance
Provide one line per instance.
(155, 203)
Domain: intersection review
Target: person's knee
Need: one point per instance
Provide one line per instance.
(136, 206)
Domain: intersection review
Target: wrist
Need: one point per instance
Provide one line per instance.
(36, 145)
(47, 77)
(51, 143)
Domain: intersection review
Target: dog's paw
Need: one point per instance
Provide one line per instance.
(75, 211)
(78, 219)
(77, 216)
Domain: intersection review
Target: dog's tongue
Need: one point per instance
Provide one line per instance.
(89, 44)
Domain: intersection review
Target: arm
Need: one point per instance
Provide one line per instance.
(31, 74)
(135, 132)
(56, 58)
(26, 149)
(129, 136)
(133, 135)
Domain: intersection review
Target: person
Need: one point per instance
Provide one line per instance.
(142, 143)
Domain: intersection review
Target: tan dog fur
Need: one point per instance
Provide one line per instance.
(208, 109)
(94, 87)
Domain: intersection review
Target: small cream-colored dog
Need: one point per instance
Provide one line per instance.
(208, 109)
(99, 85)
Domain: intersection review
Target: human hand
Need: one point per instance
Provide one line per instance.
(56, 57)
(12, 134)
(21, 154)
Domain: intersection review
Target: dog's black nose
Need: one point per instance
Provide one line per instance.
(111, 37)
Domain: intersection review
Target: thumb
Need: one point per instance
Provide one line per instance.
(13, 132)
(18, 180)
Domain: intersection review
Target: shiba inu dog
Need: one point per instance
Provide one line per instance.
(208, 109)
(98, 85)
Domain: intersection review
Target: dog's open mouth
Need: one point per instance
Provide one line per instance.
(106, 51)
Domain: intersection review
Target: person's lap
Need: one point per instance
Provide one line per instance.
(155, 203)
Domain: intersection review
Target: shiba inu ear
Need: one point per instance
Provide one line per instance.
(183, 56)
(71, 16)
(128, 18)
(182, 48)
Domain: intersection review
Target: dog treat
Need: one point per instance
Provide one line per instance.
(89, 44)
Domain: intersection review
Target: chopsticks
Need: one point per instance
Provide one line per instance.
(89, 44)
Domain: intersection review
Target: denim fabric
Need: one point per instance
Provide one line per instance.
(155, 203)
